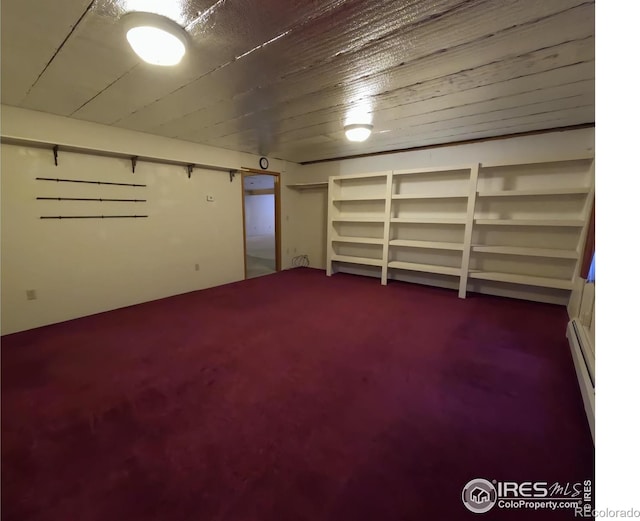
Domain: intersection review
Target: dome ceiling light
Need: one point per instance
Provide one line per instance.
(157, 39)
(358, 132)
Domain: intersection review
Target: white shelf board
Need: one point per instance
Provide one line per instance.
(434, 245)
(358, 240)
(357, 260)
(426, 268)
(527, 280)
(541, 192)
(531, 252)
(352, 199)
(567, 223)
(401, 197)
(358, 219)
(352, 177)
(308, 186)
(428, 220)
(433, 170)
(537, 160)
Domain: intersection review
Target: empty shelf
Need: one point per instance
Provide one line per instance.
(528, 280)
(428, 220)
(523, 193)
(358, 240)
(568, 223)
(434, 245)
(357, 260)
(352, 199)
(433, 170)
(426, 268)
(533, 252)
(359, 219)
(428, 196)
(359, 177)
(308, 186)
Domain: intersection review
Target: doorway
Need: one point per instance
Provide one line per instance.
(261, 213)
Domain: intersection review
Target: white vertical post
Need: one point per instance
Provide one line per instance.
(468, 230)
(586, 217)
(331, 212)
(387, 228)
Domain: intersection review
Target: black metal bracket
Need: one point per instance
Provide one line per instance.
(232, 174)
(134, 161)
(55, 154)
(190, 170)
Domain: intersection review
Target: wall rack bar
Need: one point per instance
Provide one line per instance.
(57, 148)
(93, 216)
(86, 182)
(91, 199)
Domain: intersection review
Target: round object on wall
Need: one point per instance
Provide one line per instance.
(264, 163)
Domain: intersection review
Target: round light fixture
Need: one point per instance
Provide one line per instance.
(155, 38)
(358, 132)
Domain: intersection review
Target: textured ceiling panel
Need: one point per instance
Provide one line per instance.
(282, 78)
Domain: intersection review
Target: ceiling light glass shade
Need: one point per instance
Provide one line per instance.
(156, 39)
(358, 132)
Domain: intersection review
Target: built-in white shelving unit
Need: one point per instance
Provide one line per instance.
(514, 229)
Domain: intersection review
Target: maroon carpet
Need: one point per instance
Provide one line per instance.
(289, 397)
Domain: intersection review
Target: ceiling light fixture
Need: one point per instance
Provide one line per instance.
(157, 39)
(358, 131)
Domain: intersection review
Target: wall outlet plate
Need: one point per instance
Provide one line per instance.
(210, 199)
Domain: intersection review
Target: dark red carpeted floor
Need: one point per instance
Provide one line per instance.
(289, 397)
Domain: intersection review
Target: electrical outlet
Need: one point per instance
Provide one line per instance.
(31, 294)
(210, 199)
(197, 267)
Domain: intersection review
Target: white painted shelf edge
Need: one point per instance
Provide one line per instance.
(344, 219)
(409, 197)
(528, 193)
(526, 251)
(434, 245)
(426, 268)
(357, 260)
(527, 280)
(358, 240)
(567, 223)
(308, 186)
(355, 199)
(434, 220)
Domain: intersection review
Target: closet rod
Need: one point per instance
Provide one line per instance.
(86, 182)
(57, 148)
(102, 200)
(92, 216)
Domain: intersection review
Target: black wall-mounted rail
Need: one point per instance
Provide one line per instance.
(135, 159)
(93, 216)
(102, 200)
(86, 182)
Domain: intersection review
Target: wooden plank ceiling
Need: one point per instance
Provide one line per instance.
(281, 78)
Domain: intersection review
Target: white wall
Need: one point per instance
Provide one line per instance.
(260, 214)
(309, 234)
(84, 266)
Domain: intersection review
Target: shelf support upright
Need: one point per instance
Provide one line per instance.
(387, 228)
(331, 209)
(586, 215)
(468, 230)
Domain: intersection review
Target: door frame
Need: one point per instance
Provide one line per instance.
(249, 172)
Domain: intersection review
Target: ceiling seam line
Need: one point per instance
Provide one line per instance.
(58, 50)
